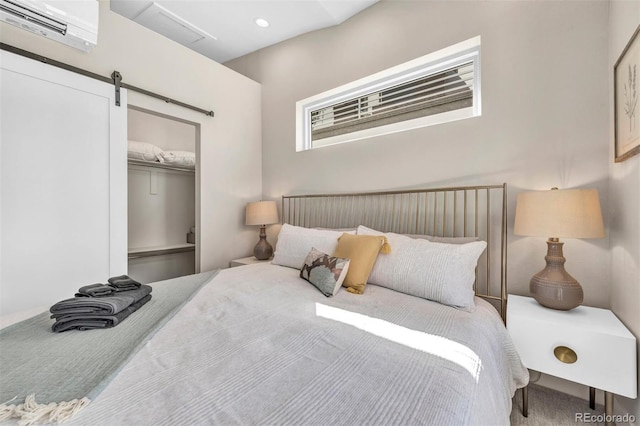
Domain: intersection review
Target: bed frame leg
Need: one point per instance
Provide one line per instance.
(525, 401)
(608, 408)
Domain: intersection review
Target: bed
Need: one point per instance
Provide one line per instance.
(258, 344)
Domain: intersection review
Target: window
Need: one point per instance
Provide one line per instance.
(436, 88)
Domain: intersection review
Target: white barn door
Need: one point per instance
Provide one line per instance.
(63, 188)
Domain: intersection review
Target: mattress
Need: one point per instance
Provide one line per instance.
(259, 345)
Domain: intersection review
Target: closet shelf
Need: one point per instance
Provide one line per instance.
(138, 252)
(157, 165)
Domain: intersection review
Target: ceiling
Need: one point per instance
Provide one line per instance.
(226, 29)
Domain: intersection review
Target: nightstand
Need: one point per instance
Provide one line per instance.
(584, 345)
(251, 260)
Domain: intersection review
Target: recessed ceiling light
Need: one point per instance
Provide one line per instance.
(262, 22)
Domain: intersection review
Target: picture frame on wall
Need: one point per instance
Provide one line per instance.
(626, 100)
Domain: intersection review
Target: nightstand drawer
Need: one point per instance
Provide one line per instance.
(602, 360)
(605, 351)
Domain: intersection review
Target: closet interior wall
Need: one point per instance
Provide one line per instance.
(161, 201)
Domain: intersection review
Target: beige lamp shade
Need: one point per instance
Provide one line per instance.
(261, 213)
(568, 213)
(559, 213)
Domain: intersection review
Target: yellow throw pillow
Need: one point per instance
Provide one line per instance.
(363, 251)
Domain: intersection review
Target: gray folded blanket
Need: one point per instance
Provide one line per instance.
(123, 283)
(95, 290)
(109, 305)
(95, 321)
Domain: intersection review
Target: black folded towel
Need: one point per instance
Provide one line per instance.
(108, 305)
(123, 283)
(95, 321)
(95, 290)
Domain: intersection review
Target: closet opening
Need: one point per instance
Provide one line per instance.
(162, 202)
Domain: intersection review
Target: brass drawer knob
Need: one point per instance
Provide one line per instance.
(565, 354)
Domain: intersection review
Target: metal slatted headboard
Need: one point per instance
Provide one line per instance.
(465, 211)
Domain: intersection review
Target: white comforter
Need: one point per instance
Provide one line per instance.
(259, 345)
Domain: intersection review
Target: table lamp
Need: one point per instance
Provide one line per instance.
(567, 213)
(262, 213)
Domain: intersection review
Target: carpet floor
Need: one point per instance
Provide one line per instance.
(550, 407)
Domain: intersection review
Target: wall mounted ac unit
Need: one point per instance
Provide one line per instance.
(72, 22)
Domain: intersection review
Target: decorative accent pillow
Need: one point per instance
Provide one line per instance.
(144, 151)
(325, 272)
(295, 242)
(440, 272)
(363, 251)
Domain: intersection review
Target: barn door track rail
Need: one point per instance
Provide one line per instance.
(115, 79)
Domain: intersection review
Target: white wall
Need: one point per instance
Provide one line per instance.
(624, 200)
(544, 116)
(165, 133)
(230, 148)
(161, 206)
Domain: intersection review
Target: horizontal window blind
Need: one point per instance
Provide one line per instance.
(435, 93)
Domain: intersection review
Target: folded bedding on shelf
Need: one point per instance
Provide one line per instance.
(144, 151)
(95, 321)
(179, 158)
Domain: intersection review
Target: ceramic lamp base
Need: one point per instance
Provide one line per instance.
(263, 250)
(553, 287)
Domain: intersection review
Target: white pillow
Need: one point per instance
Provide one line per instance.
(446, 240)
(295, 242)
(144, 151)
(440, 272)
(180, 158)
